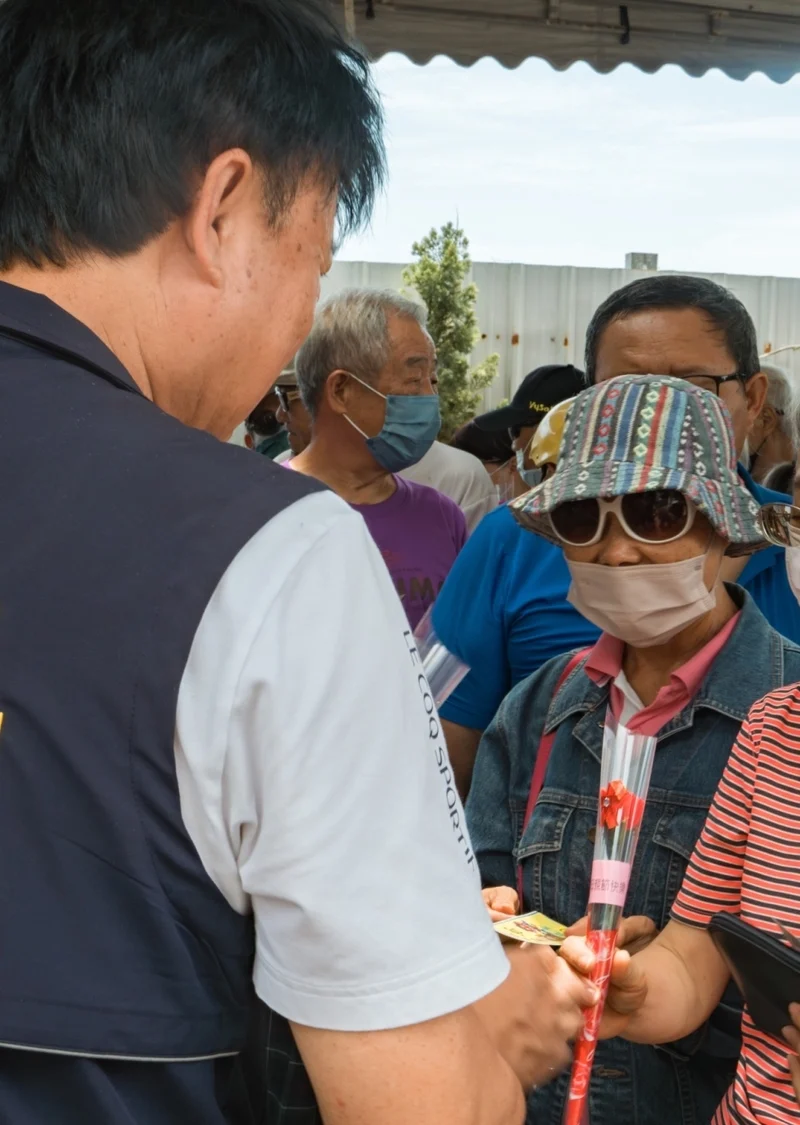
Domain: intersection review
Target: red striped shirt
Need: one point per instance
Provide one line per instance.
(747, 862)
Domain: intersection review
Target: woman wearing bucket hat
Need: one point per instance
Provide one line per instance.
(746, 865)
(646, 502)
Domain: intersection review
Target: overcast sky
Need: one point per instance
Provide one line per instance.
(577, 168)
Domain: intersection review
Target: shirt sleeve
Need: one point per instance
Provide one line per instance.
(713, 880)
(315, 784)
(468, 620)
(480, 497)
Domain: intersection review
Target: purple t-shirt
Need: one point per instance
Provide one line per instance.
(419, 532)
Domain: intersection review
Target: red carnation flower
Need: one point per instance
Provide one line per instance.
(620, 807)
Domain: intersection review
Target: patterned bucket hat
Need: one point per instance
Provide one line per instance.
(638, 433)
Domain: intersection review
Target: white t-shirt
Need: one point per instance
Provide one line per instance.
(315, 784)
(458, 475)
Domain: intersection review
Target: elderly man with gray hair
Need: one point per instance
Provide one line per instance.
(770, 439)
(366, 374)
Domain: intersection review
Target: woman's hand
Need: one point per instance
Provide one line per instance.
(792, 1037)
(627, 990)
(635, 933)
(501, 902)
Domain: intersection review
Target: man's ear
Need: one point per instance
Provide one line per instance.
(338, 391)
(248, 441)
(755, 390)
(221, 215)
(769, 421)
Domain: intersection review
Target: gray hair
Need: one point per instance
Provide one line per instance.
(782, 397)
(350, 333)
(779, 393)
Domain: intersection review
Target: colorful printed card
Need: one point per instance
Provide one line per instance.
(535, 928)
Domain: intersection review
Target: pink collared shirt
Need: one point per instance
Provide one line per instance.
(604, 664)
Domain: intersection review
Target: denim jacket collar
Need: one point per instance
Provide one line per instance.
(754, 651)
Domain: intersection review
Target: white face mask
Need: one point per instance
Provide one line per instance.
(793, 569)
(643, 605)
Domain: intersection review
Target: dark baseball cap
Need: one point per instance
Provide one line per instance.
(537, 393)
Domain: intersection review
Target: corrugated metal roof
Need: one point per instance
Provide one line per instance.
(738, 36)
(532, 315)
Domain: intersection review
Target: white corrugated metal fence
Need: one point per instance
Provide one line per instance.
(531, 315)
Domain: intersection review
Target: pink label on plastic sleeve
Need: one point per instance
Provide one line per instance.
(609, 881)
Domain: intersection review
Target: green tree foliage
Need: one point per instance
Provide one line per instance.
(439, 277)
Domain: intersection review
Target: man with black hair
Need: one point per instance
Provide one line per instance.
(194, 798)
(693, 328)
(690, 327)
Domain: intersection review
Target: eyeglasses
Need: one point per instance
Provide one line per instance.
(780, 524)
(660, 516)
(713, 383)
(286, 397)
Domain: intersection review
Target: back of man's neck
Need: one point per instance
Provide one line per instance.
(355, 483)
(93, 293)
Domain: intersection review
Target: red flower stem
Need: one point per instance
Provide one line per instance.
(603, 944)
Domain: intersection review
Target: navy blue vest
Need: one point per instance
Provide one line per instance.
(125, 977)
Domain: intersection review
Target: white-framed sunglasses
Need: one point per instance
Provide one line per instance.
(780, 524)
(660, 516)
(286, 396)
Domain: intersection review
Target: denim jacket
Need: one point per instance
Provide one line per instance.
(683, 1083)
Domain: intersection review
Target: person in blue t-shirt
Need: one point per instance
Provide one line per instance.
(503, 608)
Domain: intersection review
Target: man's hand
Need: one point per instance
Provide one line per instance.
(635, 933)
(792, 1037)
(501, 902)
(536, 1012)
(627, 988)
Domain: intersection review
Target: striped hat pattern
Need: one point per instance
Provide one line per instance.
(638, 433)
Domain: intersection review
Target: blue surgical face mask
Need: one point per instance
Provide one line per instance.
(531, 477)
(409, 429)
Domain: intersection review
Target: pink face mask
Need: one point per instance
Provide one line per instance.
(642, 605)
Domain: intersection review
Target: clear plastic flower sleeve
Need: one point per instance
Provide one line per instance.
(443, 669)
(627, 764)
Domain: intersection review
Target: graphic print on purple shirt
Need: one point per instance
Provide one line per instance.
(419, 532)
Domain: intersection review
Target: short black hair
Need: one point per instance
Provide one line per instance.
(678, 291)
(111, 111)
(486, 445)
